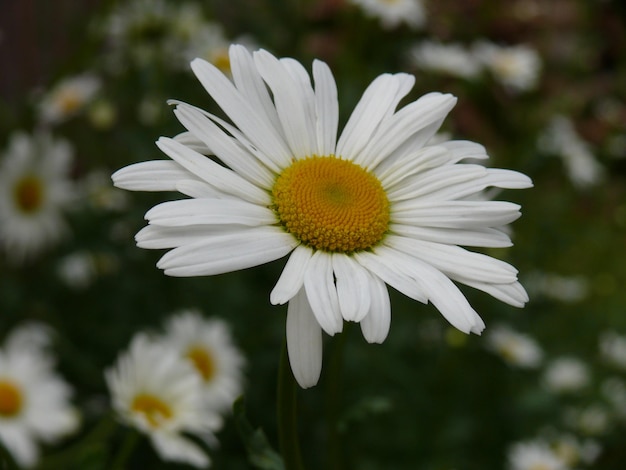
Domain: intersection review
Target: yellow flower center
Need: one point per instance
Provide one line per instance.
(331, 204)
(29, 194)
(221, 60)
(10, 399)
(69, 101)
(203, 361)
(153, 408)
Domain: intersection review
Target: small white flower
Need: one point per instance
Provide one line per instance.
(591, 420)
(515, 348)
(34, 189)
(566, 374)
(77, 270)
(573, 451)
(516, 67)
(159, 393)
(534, 455)
(207, 343)
(374, 206)
(392, 13)
(34, 401)
(451, 59)
(568, 289)
(613, 348)
(560, 137)
(68, 98)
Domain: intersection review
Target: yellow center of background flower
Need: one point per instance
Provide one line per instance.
(203, 361)
(28, 193)
(10, 399)
(153, 408)
(331, 204)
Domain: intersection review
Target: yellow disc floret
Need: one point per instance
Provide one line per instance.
(203, 361)
(331, 204)
(28, 194)
(10, 399)
(155, 410)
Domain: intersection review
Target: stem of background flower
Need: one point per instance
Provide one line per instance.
(119, 463)
(287, 410)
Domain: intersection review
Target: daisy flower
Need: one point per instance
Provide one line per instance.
(34, 189)
(534, 455)
(157, 392)
(451, 59)
(516, 67)
(515, 348)
(207, 343)
(34, 400)
(392, 13)
(566, 374)
(375, 206)
(68, 98)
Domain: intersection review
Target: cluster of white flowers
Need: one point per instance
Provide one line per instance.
(34, 401)
(179, 382)
(560, 452)
(560, 138)
(517, 67)
(517, 349)
(68, 97)
(167, 32)
(613, 348)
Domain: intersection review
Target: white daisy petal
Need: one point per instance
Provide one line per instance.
(457, 214)
(155, 175)
(462, 149)
(456, 262)
(199, 189)
(352, 282)
(174, 447)
(216, 175)
(225, 253)
(322, 293)
(155, 237)
(224, 147)
(189, 139)
(513, 294)
(249, 82)
(292, 278)
(327, 108)
(375, 325)
(398, 128)
(486, 237)
(389, 268)
(209, 211)
(410, 164)
(267, 138)
(378, 101)
(304, 341)
(292, 104)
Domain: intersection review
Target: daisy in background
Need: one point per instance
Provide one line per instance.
(560, 138)
(375, 206)
(68, 98)
(566, 374)
(515, 348)
(34, 190)
(392, 13)
(208, 344)
(516, 67)
(156, 391)
(34, 401)
(534, 455)
(449, 59)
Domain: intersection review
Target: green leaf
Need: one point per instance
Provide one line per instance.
(260, 452)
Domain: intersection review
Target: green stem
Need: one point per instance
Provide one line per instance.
(333, 387)
(287, 415)
(119, 463)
